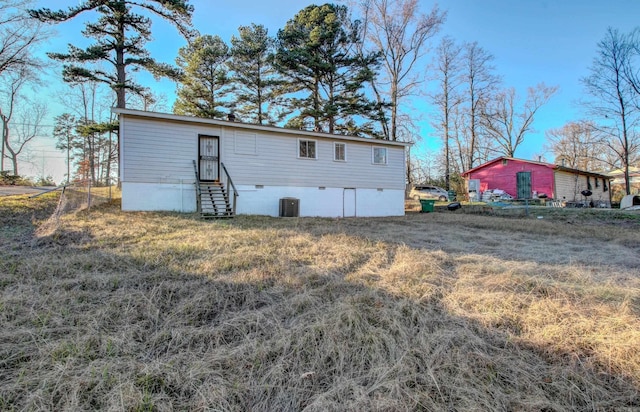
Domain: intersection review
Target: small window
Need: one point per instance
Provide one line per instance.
(504, 162)
(245, 143)
(596, 179)
(340, 152)
(307, 149)
(604, 185)
(588, 183)
(380, 155)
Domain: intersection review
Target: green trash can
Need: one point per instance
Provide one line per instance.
(427, 205)
(452, 195)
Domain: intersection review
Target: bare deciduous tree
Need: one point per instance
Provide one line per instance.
(425, 169)
(507, 124)
(480, 82)
(614, 101)
(447, 96)
(18, 36)
(400, 32)
(94, 145)
(576, 145)
(459, 139)
(15, 139)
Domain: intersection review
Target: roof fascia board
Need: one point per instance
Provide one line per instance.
(549, 165)
(273, 129)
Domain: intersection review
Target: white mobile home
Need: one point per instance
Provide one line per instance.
(182, 163)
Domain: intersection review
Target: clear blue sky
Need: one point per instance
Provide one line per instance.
(533, 41)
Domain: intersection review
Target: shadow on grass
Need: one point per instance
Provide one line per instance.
(313, 314)
(20, 215)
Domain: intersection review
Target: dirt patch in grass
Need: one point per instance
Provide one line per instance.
(437, 311)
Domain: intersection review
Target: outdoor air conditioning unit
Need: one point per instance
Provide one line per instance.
(289, 207)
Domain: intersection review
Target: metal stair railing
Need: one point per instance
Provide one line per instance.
(228, 183)
(225, 182)
(198, 190)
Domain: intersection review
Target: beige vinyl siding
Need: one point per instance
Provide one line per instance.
(598, 192)
(158, 151)
(566, 186)
(569, 186)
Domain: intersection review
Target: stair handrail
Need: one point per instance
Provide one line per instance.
(230, 184)
(197, 183)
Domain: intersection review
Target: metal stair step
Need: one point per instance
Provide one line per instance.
(213, 199)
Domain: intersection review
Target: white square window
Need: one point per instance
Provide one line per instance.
(340, 152)
(380, 155)
(307, 149)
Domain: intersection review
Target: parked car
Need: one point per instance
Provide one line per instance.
(428, 192)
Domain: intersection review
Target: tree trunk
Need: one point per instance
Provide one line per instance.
(5, 146)
(120, 67)
(68, 157)
(447, 165)
(394, 113)
(107, 179)
(260, 115)
(316, 105)
(5, 134)
(331, 107)
(92, 159)
(14, 161)
(625, 146)
(472, 127)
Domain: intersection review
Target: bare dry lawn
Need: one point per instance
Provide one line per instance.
(445, 311)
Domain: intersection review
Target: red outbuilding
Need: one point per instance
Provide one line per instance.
(527, 179)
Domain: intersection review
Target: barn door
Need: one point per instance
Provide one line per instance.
(209, 158)
(523, 180)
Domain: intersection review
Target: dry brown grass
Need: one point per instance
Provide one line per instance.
(438, 311)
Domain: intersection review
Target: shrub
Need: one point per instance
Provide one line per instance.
(6, 178)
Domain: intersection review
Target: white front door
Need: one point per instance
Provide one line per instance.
(209, 158)
(349, 202)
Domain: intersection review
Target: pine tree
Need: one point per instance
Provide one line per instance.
(204, 84)
(120, 36)
(67, 139)
(316, 52)
(97, 149)
(255, 84)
